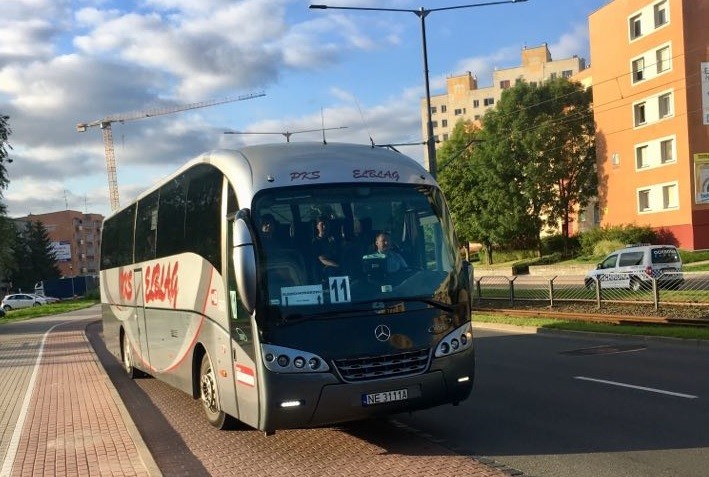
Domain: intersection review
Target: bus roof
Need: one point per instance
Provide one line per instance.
(253, 168)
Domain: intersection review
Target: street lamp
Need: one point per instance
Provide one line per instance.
(422, 13)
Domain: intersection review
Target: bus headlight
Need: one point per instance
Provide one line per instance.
(458, 340)
(280, 359)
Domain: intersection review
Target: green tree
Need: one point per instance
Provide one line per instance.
(7, 228)
(34, 257)
(534, 162)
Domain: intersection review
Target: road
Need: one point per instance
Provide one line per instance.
(557, 405)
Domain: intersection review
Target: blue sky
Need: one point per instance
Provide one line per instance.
(68, 61)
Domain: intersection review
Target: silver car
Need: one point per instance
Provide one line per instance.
(21, 300)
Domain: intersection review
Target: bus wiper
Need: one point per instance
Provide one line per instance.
(434, 303)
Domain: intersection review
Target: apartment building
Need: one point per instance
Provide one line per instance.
(650, 75)
(76, 238)
(464, 100)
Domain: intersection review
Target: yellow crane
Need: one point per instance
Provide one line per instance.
(105, 125)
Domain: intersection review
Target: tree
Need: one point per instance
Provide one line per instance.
(7, 228)
(534, 163)
(34, 256)
(5, 132)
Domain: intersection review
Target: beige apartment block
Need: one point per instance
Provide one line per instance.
(650, 75)
(76, 237)
(465, 101)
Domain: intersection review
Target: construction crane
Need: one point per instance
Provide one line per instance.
(105, 125)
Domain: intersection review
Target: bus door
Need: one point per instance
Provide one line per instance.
(142, 336)
(243, 331)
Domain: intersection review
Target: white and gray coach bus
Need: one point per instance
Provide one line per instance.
(250, 279)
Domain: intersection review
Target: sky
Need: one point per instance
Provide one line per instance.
(358, 74)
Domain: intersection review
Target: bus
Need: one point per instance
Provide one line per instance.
(247, 319)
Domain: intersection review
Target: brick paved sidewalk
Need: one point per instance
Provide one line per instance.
(76, 424)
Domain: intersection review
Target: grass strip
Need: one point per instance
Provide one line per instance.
(46, 310)
(682, 332)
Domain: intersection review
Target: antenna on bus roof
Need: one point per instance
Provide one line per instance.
(286, 134)
(322, 123)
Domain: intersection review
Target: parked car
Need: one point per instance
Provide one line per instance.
(635, 266)
(21, 300)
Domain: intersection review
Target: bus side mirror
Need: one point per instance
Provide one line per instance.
(244, 257)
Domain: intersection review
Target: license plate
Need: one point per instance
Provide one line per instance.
(386, 396)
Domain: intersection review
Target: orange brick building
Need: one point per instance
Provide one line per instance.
(76, 238)
(649, 66)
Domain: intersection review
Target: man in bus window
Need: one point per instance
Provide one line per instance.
(394, 261)
(324, 247)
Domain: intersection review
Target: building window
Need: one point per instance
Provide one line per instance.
(639, 114)
(663, 59)
(489, 101)
(665, 105)
(444, 108)
(445, 137)
(669, 196)
(635, 27)
(552, 76)
(476, 103)
(434, 124)
(504, 84)
(644, 200)
(615, 159)
(433, 110)
(459, 111)
(641, 160)
(444, 123)
(667, 151)
(477, 117)
(660, 14)
(566, 74)
(638, 67)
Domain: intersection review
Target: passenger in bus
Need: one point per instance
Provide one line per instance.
(394, 261)
(324, 248)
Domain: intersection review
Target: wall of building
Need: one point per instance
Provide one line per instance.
(465, 101)
(643, 95)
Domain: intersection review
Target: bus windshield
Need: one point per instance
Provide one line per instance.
(324, 249)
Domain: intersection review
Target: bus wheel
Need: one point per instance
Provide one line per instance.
(210, 397)
(635, 284)
(128, 360)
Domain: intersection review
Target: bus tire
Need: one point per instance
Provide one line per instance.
(209, 396)
(127, 355)
(635, 284)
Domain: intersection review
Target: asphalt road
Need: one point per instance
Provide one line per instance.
(543, 404)
(583, 405)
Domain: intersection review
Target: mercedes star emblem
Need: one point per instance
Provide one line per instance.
(382, 333)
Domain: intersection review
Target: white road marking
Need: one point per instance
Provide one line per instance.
(642, 388)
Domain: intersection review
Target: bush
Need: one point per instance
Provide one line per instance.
(620, 234)
(552, 244)
(604, 247)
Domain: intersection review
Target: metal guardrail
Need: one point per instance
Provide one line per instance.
(670, 289)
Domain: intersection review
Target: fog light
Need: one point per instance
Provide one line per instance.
(283, 360)
(464, 339)
(314, 363)
(464, 379)
(445, 348)
(455, 344)
(299, 362)
(269, 357)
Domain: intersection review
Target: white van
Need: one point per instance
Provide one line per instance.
(636, 265)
